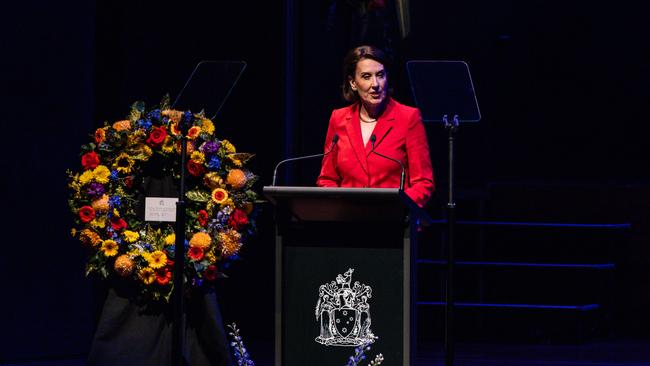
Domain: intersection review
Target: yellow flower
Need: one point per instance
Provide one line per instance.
(228, 146)
(170, 239)
(212, 180)
(236, 178)
(168, 145)
(229, 241)
(198, 157)
(109, 247)
(130, 236)
(237, 162)
(207, 126)
(219, 195)
(101, 174)
(147, 275)
(123, 163)
(89, 237)
(157, 259)
(86, 177)
(73, 232)
(116, 213)
(211, 257)
(201, 240)
(99, 222)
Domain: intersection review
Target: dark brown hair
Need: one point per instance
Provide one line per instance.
(350, 66)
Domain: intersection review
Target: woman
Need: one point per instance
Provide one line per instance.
(374, 125)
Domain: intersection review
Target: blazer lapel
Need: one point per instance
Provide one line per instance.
(354, 135)
(383, 127)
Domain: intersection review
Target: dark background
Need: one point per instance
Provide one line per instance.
(562, 88)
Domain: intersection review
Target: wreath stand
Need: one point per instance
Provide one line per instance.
(209, 82)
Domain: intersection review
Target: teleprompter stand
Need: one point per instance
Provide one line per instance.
(345, 274)
(444, 92)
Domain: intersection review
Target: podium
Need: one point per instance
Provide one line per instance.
(345, 274)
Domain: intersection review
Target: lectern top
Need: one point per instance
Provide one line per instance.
(345, 204)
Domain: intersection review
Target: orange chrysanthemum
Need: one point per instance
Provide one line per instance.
(230, 243)
(236, 178)
(101, 205)
(122, 125)
(124, 265)
(201, 240)
(100, 135)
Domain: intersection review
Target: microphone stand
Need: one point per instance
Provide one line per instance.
(179, 257)
(452, 127)
(402, 177)
(335, 139)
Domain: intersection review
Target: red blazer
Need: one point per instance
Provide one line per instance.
(399, 134)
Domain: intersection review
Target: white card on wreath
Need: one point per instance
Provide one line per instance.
(160, 209)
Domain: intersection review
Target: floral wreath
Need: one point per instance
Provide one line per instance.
(104, 198)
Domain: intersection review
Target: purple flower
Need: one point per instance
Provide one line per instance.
(95, 190)
(210, 147)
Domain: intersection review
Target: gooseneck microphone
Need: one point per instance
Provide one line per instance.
(335, 139)
(373, 138)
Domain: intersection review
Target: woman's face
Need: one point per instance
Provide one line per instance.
(370, 82)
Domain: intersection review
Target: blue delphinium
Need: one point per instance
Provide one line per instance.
(241, 354)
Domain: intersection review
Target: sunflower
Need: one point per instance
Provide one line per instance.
(109, 247)
(198, 157)
(147, 275)
(157, 259)
(219, 195)
(130, 236)
(207, 126)
(123, 163)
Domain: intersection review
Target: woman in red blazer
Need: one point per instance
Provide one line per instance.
(375, 120)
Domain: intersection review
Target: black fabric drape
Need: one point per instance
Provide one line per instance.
(130, 334)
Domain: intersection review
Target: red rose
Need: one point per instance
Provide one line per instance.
(157, 136)
(90, 160)
(118, 224)
(203, 217)
(195, 253)
(195, 168)
(163, 277)
(211, 273)
(128, 181)
(238, 219)
(86, 213)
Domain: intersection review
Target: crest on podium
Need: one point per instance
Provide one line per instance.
(344, 312)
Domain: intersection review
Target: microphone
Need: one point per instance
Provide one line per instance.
(373, 138)
(335, 139)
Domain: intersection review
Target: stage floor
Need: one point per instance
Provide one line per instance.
(615, 353)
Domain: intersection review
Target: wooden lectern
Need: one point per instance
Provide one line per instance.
(345, 274)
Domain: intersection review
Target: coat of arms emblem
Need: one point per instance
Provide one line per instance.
(344, 312)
